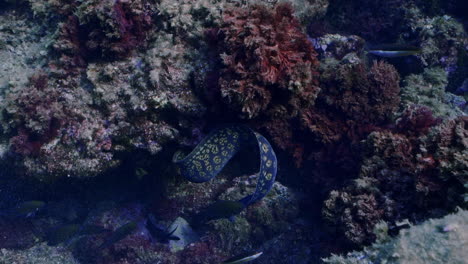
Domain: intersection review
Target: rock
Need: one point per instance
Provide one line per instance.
(337, 46)
(435, 241)
(184, 232)
(428, 88)
(39, 254)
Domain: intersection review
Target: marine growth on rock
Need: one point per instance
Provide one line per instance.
(370, 152)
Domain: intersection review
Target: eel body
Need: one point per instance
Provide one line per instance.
(217, 148)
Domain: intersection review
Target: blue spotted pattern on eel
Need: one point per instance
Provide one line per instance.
(215, 150)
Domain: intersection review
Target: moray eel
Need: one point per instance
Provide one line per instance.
(215, 150)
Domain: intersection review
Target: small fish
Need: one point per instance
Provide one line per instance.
(67, 233)
(87, 230)
(394, 51)
(62, 234)
(119, 234)
(463, 89)
(25, 209)
(243, 258)
(159, 232)
(140, 173)
(220, 209)
(169, 236)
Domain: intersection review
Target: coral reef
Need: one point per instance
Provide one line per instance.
(40, 253)
(121, 25)
(54, 133)
(441, 38)
(102, 28)
(428, 88)
(259, 222)
(268, 69)
(95, 96)
(49, 125)
(416, 120)
(22, 45)
(438, 240)
(219, 239)
(10, 241)
(75, 115)
(354, 101)
(337, 46)
(364, 96)
(131, 107)
(189, 19)
(366, 18)
(265, 54)
(295, 246)
(203, 252)
(402, 176)
(169, 62)
(306, 10)
(449, 145)
(265, 219)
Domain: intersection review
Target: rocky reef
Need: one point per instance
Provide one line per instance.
(428, 88)
(97, 96)
(40, 253)
(439, 240)
(270, 77)
(72, 116)
(401, 177)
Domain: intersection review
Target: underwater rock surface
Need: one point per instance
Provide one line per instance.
(436, 240)
(96, 96)
(40, 254)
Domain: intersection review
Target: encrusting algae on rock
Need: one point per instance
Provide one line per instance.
(96, 96)
(436, 240)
